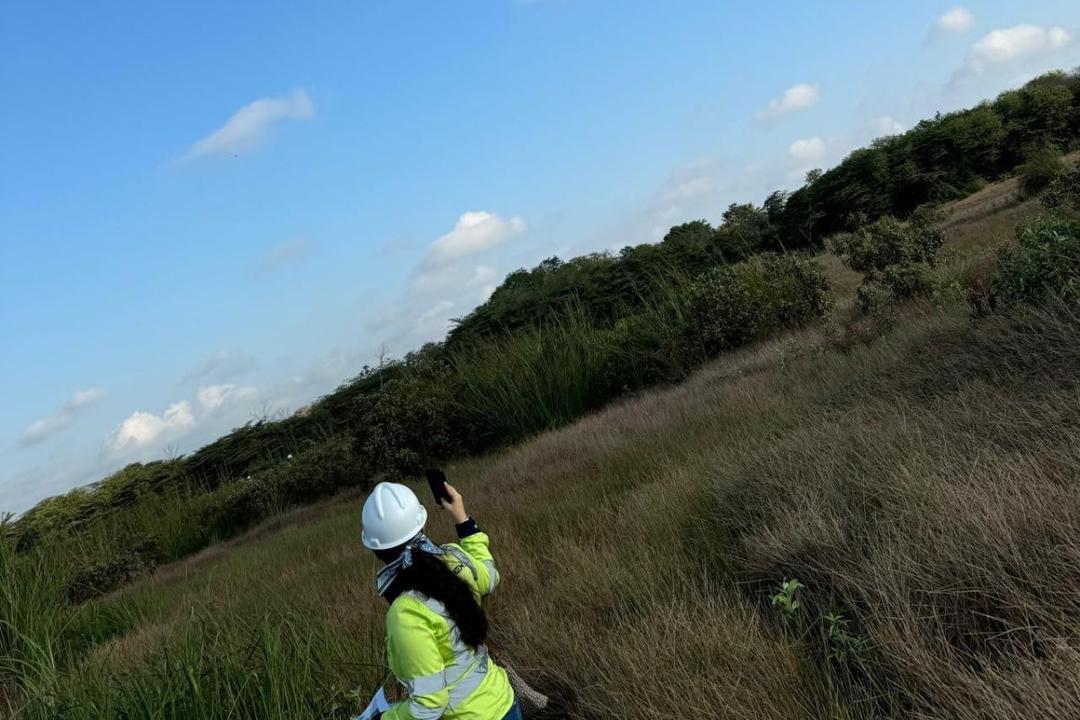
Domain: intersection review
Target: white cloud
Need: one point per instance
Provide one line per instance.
(448, 292)
(220, 366)
(886, 125)
(249, 125)
(449, 281)
(1008, 45)
(795, 98)
(85, 398)
(698, 190)
(212, 397)
(141, 429)
(42, 429)
(475, 231)
(439, 312)
(481, 275)
(807, 153)
(689, 194)
(955, 21)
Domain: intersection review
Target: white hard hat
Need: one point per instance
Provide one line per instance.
(392, 515)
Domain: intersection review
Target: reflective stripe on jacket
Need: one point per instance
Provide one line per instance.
(444, 677)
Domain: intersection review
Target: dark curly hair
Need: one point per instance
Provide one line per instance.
(431, 577)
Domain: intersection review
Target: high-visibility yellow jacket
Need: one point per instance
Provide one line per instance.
(443, 676)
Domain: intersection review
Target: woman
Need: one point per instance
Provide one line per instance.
(435, 627)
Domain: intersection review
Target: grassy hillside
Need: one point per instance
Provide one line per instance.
(642, 317)
(919, 484)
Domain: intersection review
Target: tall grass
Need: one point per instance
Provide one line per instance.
(551, 375)
(31, 622)
(279, 668)
(540, 378)
(228, 654)
(922, 489)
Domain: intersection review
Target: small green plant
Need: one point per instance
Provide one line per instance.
(844, 646)
(948, 292)
(786, 601)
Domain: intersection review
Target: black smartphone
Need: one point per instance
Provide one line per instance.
(436, 479)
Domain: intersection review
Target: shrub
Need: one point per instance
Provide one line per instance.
(1063, 194)
(404, 423)
(896, 257)
(1044, 260)
(977, 278)
(547, 376)
(235, 507)
(103, 577)
(735, 304)
(875, 298)
(316, 473)
(1041, 168)
(310, 475)
(884, 243)
(909, 280)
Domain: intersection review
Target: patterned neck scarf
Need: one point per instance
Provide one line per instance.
(388, 574)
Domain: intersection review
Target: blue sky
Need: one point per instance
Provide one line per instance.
(213, 212)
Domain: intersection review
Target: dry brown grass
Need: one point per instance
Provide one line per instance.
(930, 498)
(131, 650)
(987, 218)
(592, 525)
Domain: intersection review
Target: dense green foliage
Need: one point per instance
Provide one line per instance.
(734, 304)
(543, 378)
(896, 258)
(302, 478)
(1043, 262)
(605, 287)
(887, 242)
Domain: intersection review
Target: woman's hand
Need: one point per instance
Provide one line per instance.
(456, 506)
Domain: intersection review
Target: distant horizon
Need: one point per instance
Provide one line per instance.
(259, 206)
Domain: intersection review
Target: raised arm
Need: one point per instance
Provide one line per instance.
(474, 542)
